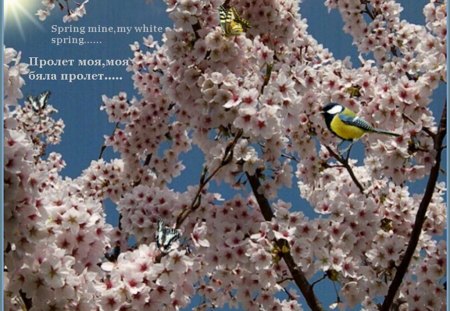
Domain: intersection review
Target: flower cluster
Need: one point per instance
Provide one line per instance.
(72, 14)
(55, 234)
(250, 104)
(103, 180)
(367, 234)
(13, 70)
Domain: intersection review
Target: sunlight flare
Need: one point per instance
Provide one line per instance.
(17, 12)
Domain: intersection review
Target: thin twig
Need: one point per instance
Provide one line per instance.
(368, 12)
(68, 8)
(287, 156)
(116, 250)
(103, 148)
(148, 159)
(319, 280)
(269, 68)
(204, 180)
(291, 297)
(425, 129)
(348, 167)
(420, 217)
(338, 299)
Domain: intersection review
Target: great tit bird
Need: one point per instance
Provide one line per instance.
(346, 125)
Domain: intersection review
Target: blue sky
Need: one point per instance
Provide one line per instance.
(79, 102)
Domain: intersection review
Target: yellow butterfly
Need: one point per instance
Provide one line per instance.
(230, 21)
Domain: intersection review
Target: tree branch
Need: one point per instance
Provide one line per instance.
(298, 275)
(425, 129)
(319, 280)
(348, 167)
(420, 217)
(204, 180)
(103, 148)
(368, 12)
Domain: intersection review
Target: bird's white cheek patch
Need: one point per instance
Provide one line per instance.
(335, 110)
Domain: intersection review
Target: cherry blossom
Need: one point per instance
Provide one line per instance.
(250, 105)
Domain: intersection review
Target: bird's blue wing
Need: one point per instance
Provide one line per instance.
(355, 121)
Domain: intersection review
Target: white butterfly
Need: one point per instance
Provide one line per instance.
(39, 102)
(165, 237)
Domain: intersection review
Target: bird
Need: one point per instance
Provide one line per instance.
(344, 123)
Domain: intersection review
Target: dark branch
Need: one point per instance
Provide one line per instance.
(148, 159)
(319, 280)
(204, 180)
(425, 129)
(298, 275)
(420, 217)
(103, 148)
(269, 68)
(344, 162)
(368, 12)
(116, 250)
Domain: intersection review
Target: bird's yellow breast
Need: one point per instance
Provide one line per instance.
(345, 131)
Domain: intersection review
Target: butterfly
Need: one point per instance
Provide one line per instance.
(230, 21)
(165, 236)
(39, 102)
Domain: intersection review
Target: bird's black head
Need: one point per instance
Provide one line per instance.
(329, 111)
(332, 109)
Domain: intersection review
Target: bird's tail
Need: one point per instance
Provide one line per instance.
(385, 132)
